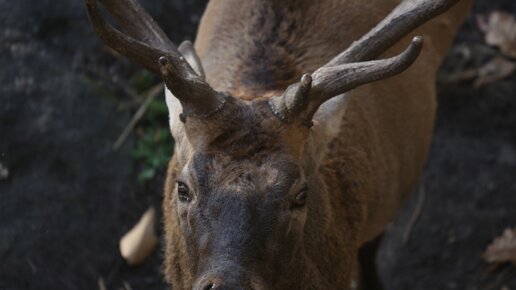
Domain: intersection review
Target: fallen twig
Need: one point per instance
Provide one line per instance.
(415, 214)
(4, 172)
(127, 286)
(149, 96)
(102, 284)
(31, 265)
(113, 81)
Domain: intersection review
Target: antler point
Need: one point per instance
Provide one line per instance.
(163, 60)
(417, 40)
(306, 79)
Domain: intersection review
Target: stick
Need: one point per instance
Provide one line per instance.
(112, 80)
(101, 283)
(127, 286)
(149, 96)
(415, 215)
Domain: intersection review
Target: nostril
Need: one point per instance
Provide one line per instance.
(218, 284)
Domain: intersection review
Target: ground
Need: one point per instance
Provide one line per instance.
(69, 197)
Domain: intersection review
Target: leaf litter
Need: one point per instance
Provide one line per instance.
(499, 29)
(503, 248)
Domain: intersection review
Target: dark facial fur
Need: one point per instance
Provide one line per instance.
(241, 218)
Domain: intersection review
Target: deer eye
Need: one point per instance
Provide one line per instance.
(183, 192)
(300, 199)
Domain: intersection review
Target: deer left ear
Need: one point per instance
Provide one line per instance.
(174, 112)
(188, 51)
(174, 105)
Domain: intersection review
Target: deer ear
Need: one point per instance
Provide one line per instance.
(174, 111)
(327, 123)
(328, 117)
(174, 105)
(188, 51)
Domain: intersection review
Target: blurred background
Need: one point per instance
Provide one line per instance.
(71, 183)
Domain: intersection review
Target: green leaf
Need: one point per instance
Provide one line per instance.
(146, 174)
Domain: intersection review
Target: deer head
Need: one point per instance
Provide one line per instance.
(243, 167)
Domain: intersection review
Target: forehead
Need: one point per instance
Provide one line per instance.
(244, 148)
(260, 172)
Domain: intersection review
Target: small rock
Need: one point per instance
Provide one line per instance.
(4, 172)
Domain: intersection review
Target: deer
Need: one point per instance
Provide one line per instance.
(301, 128)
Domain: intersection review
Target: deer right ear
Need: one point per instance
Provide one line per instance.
(188, 51)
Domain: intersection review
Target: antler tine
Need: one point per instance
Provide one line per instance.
(201, 99)
(407, 16)
(136, 50)
(288, 105)
(353, 67)
(159, 55)
(335, 80)
(137, 23)
(329, 81)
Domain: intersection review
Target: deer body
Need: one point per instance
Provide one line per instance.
(236, 210)
(386, 133)
(375, 139)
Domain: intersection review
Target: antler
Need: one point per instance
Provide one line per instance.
(353, 67)
(148, 45)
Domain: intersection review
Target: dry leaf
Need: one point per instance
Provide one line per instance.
(496, 69)
(141, 240)
(503, 248)
(499, 30)
(455, 77)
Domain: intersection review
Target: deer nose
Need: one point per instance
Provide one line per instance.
(219, 283)
(222, 287)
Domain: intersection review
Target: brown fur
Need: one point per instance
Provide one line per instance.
(252, 50)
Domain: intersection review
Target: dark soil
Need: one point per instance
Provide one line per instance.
(469, 184)
(69, 197)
